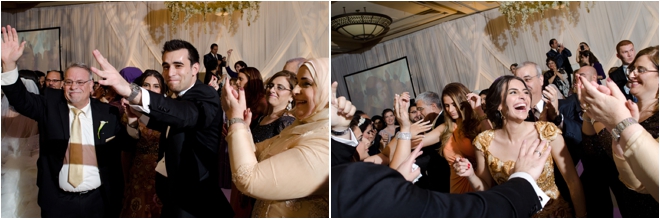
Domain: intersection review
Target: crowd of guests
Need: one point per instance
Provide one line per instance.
(471, 142)
(163, 143)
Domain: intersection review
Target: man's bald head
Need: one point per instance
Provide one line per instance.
(588, 72)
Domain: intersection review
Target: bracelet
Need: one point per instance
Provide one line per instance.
(404, 135)
(235, 120)
(338, 133)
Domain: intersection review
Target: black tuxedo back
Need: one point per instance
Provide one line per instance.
(619, 77)
(50, 110)
(435, 168)
(190, 131)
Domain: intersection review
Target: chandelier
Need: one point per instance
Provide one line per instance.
(220, 8)
(361, 25)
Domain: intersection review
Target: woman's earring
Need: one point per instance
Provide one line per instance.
(288, 106)
(501, 115)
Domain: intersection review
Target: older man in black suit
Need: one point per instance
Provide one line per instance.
(560, 55)
(187, 179)
(79, 167)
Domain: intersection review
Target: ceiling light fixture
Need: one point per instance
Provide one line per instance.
(361, 25)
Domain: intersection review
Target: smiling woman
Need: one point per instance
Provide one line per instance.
(287, 174)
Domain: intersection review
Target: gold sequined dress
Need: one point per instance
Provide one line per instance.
(501, 170)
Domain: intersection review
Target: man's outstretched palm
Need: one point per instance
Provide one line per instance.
(11, 49)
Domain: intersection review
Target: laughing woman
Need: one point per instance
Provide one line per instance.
(507, 106)
(287, 174)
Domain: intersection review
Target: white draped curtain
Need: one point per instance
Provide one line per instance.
(133, 33)
(477, 49)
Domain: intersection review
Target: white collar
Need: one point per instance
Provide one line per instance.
(539, 105)
(87, 110)
(184, 91)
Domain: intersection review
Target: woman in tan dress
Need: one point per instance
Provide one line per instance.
(507, 108)
(287, 174)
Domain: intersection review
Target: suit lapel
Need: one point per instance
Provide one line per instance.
(97, 116)
(64, 118)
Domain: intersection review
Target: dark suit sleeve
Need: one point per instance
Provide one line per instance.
(28, 104)
(341, 153)
(572, 129)
(370, 190)
(195, 109)
(566, 52)
(208, 62)
(231, 73)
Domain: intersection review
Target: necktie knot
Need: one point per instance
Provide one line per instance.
(76, 111)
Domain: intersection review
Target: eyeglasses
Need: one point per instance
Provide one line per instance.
(639, 70)
(279, 87)
(52, 81)
(79, 83)
(527, 79)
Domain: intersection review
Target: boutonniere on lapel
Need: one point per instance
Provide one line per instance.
(98, 132)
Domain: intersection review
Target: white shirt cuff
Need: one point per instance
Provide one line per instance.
(145, 102)
(9, 78)
(543, 198)
(352, 142)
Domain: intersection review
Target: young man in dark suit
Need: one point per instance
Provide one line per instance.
(560, 55)
(625, 51)
(79, 167)
(212, 59)
(187, 179)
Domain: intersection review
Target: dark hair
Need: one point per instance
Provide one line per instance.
(240, 63)
(356, 120)
(254, 89)
(551, 41)
(30, 75)
(359, 113)
(514, 65)
(590, 55)
(483, 92)
(174, 45)
(39, 73)
(547, 62)
(214, 45)
(58, 71)
(377, 117)
(157, 75)
(496, 95)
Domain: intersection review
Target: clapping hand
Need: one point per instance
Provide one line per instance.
(401, 103)
(11, 49)
(605, 104)
(551, 100)
(214, 82)
(233, 102)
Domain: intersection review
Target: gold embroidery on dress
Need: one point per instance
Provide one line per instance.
(242, 174)
(501, 170)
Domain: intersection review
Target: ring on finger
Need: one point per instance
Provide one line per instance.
(538, 153)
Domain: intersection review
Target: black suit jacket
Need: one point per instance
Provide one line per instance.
(434, 168)
(210, 62)
(619, 77)
(561, 59)
(385, 193)
(190, 127)
(50, 110)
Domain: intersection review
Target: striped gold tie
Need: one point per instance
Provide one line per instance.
(75, 151)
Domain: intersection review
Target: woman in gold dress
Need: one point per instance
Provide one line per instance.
(507, 108)
(287, 174)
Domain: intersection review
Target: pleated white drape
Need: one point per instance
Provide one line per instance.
(477, 49)
(133, 33)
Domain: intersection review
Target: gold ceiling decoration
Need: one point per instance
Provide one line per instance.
(220, 8)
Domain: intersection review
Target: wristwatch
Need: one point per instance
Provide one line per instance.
(404, 135)
(616, 131)
(135, 90)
